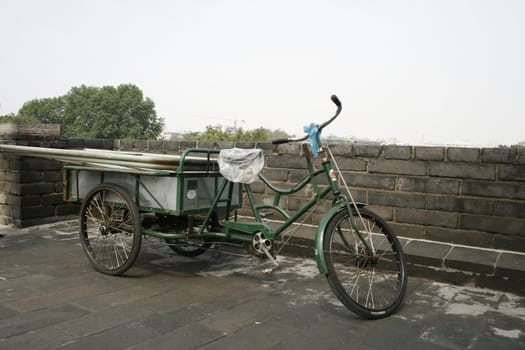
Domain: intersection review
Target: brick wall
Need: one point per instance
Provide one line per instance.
(466, 196)
(31, 190)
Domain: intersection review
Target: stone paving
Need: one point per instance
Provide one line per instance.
(447, 262)
(50, 297)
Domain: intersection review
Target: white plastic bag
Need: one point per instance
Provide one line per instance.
(240, 164)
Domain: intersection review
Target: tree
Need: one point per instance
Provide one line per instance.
(93, 112)
(218, 133)
(215, 133)
(46, 110)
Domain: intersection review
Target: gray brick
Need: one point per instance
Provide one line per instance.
(140, 145)
(4, 162)
(223, 144)
(464, 237)
(493, 224)
(394, 199)
(289, 149)
(407, 230)
(99, 143)
(353, 164)
(40, 338)
(34, 164)
(3, 198)
(397, 152)
(116, 145)
(207, 144)
(6, 210)
(511, 266)
(121, 337)
(493, 189)
(426, 253)
(462, 205)
(401, 167)
(244, 144)
(155, 146)
(475, 260)
(37, 188)
(12, 188)
(342, 150)
(370, 181)
(458, 154)
(14, 164)
(295, 204)
(511, 172)
(428, 185)
(26, 201)
(27, 322)
(297, 175)
(258, 187)
(521, 154)
(170, 146)
(52, 176)
(427, 217)
(288, 162)
(58, 144)
(371, 151)
(359, 195)
(276, 174)
(498, 155)
(387, 213)
(184, 145)
(25, 176)
(266, 146)
(462, 170)
(126, 145)
(506, 242)
(67, 209)
(511, 209)
(52, 199)
(429, 153)
(36, 212)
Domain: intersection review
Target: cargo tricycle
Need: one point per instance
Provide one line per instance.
(191, 202)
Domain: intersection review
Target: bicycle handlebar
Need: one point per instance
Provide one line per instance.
(336, 101)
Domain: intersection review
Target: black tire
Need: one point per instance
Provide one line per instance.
(189, 248)
(110, 229)
(370, 285)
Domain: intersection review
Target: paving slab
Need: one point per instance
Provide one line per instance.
(51, 298)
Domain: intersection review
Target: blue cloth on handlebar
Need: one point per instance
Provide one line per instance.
(314, 133)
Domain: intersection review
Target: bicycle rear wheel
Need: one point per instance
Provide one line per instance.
(372, 284)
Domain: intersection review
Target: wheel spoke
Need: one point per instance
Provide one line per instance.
(370, 282)
(110, 226)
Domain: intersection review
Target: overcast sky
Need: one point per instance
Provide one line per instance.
(418, 71)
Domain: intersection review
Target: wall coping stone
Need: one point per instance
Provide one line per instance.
(29, 129)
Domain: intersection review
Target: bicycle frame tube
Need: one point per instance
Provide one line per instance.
(290, 219)
(310, 178)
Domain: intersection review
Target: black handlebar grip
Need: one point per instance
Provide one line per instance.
(335, 100)
(280, 141)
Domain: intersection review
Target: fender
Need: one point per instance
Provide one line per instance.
(319, 256)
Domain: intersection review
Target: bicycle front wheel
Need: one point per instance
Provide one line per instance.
(110, 229)
(366, 264)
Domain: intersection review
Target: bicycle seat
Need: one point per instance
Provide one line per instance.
(241, 164)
